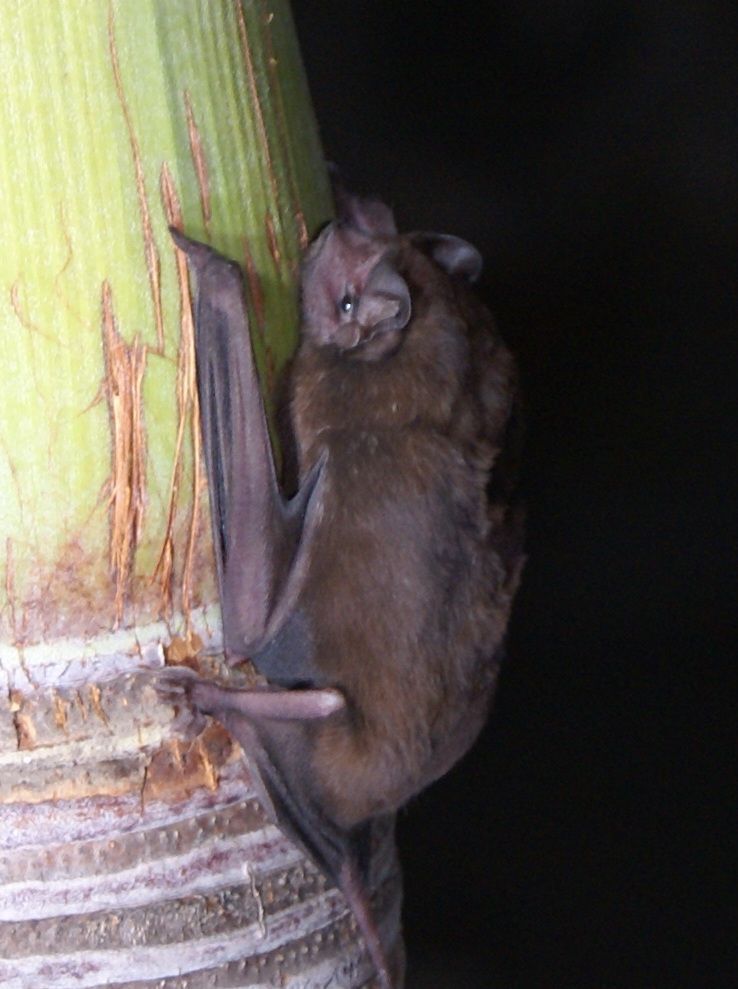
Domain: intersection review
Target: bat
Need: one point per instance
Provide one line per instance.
(375, 600)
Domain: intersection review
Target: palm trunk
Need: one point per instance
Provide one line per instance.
(131, 854)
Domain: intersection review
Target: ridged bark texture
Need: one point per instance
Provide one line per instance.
(135, 853)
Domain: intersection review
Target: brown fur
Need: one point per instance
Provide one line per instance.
(409, 597)
(385, 585)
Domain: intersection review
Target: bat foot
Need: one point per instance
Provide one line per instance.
(178, 687)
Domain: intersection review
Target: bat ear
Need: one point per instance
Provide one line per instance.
(368, 216)
(385, 302)
(456, 256)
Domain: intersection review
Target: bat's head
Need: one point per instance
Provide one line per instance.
(353, 297)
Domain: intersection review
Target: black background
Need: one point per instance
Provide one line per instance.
(589, 150)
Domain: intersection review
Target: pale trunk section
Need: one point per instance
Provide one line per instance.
(133, 849)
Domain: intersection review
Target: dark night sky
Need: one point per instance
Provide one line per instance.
(590, 150)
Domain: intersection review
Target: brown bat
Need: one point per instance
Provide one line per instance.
(375, 601)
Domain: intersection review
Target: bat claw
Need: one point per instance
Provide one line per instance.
(175, 681)
(176, 686)
(178, 674)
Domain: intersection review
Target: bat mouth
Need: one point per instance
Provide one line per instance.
(377, 344)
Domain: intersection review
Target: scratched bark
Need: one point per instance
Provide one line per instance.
(118, 120)
(133, 849)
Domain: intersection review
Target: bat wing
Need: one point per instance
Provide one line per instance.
(261, 540)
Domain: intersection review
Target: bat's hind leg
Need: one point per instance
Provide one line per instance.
(274, 728)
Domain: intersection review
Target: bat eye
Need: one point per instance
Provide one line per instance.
(347, 303)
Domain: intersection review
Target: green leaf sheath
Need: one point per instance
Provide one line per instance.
(118, 118)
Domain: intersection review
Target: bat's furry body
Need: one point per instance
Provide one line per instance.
(375, 602)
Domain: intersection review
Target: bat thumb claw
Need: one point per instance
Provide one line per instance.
(197, 253)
